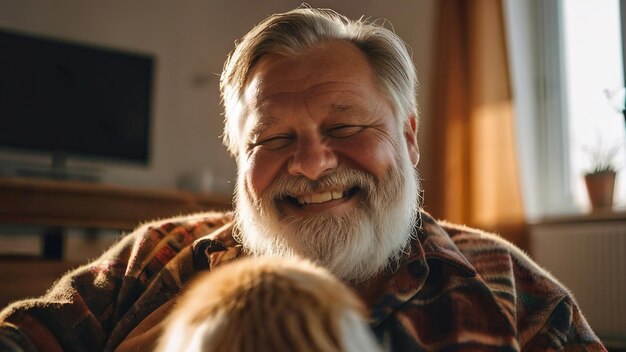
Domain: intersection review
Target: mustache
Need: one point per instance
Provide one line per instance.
(343, 178)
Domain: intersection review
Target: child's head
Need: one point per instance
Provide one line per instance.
(266, 304)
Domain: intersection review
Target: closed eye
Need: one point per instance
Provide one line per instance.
(344, 131)
(274, 142)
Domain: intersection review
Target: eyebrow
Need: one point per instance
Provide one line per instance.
(260, 126)
(349, 109)
(342, 107)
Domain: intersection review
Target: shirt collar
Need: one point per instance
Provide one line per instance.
(437, 245)
(431, 244)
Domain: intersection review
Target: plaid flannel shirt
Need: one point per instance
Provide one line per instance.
(456, 289)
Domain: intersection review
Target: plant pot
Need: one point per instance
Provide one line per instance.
(600, 188)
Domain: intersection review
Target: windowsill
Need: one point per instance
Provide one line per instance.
(610, 215)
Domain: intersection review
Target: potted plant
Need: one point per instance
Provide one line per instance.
(600, 178)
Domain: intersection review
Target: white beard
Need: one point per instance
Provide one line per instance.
(355, 245)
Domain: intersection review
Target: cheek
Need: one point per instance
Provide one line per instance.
(371, 153)
(260, 171)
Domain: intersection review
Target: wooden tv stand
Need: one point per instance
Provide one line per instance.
(60, 204)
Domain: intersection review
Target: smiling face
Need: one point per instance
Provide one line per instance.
(322, 157)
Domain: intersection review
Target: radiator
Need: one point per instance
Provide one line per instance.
(589, 257)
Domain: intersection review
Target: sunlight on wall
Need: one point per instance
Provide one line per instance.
(493, 140)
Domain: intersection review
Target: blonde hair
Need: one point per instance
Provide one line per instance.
(299, 30)
(268, 304)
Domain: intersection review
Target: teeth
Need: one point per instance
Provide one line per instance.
(322, 197)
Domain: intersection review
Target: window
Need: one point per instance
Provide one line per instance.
(594, 83)
(564, 54)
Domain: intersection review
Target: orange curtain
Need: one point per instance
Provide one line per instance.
(473, 177)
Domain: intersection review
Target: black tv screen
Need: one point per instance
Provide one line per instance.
(72, 99)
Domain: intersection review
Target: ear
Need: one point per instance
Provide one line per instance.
(410, 134)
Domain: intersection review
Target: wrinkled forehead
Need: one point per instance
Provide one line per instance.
(337, 66)
(337, 61)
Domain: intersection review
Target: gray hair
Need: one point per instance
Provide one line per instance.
(295, 32)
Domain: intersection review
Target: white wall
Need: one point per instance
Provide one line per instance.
(190, 41)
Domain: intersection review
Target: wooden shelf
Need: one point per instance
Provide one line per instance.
(56, 205)
(92, 205)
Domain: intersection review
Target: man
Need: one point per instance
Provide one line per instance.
(321, 117)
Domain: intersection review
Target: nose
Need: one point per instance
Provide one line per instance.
(312, 158)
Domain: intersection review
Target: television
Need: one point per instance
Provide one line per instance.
(69, 99)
